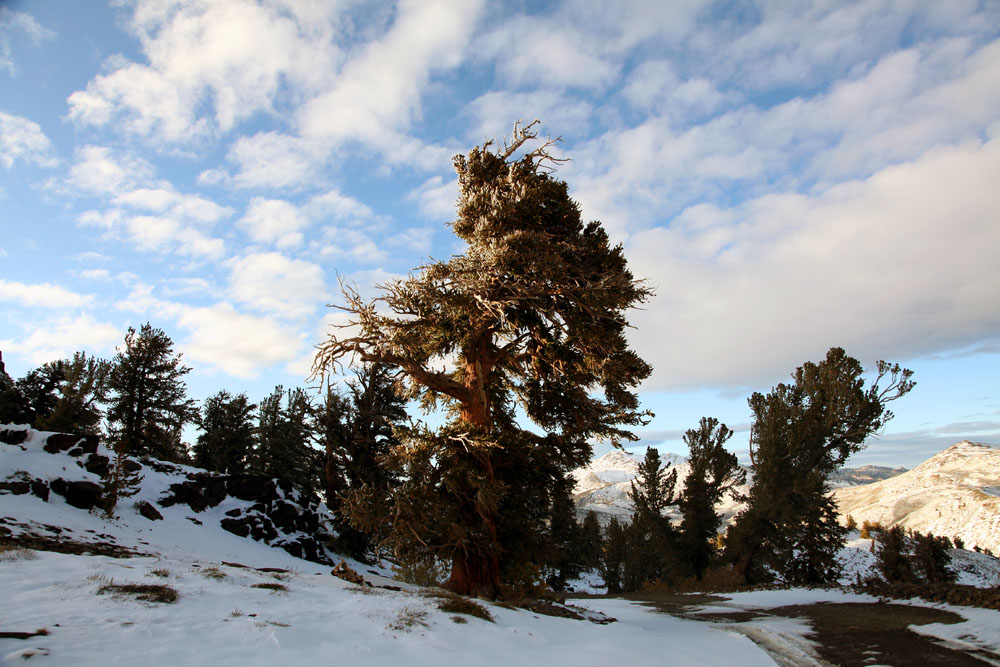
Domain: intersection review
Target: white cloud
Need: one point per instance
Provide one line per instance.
(274, 160)
(99, 170)
(273, 283)
(237, 343)
(340, 207)
(58, 338)
(21, 138)
(890, 112)
(274, 221)
(97, 275)
(535, 51)
(377, 94)
(165, 235)
(436, 198)
(11, 22)
(43, 295)
(239, 55)
(164, 199)
(898, 265)
(219, 336)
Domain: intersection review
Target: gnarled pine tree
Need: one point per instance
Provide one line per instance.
(534, 313)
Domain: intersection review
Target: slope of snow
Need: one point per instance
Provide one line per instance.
(223, 617)
(952, 494)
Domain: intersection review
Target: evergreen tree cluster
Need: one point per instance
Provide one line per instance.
(910, 557)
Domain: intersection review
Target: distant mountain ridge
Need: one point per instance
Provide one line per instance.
(954, 493)
(604, 485)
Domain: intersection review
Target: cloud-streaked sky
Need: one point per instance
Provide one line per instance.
(789, 176)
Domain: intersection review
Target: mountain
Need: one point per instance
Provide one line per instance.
(604, 485)
(954, 493)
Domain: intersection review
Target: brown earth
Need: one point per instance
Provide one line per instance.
(852, 633)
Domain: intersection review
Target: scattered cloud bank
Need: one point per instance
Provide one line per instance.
(788, 176)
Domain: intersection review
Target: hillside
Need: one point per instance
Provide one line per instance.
(170, 582)
(954, 493)
(604, 485)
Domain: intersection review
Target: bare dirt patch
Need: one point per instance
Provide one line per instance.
(847, 633)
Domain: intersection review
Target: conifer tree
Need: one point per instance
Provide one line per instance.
(13, 406)
(652, 543)
(564, 530)
(285, 435)
(713, 473)
(591, 541)
(228, 433)
(356, 432)
(148, 406)
(532, 313)
(81, 387)
(615, 553)
(801, 433)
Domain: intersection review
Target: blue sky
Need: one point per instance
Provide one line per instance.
(789, 176)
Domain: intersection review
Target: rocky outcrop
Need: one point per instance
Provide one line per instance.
(276, 517)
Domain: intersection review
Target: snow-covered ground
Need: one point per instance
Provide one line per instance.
(242, 602)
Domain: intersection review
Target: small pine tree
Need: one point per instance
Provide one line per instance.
(892, 561)
(14, 407)
(122, 481)
(959, 542)
(615, 553)
(285, 433)
(228, 433)
(714, 472)
(851, 524)
(148, 405)
(564, 533)
(931, 558)
(591, 541)
(651, 538)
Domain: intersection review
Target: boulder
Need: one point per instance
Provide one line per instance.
(147, 510)
(82, 495)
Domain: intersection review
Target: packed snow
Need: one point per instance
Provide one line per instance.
(242, 602)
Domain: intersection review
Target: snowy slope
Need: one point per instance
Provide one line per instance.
(954, 493)
(224, 616)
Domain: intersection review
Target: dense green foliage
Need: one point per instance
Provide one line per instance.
(228, 433)
(147, 406)
(714, 472)
(802, 432)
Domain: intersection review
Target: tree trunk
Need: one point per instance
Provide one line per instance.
(475, 568)
(475, 574)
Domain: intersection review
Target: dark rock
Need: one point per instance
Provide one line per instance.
(131, 466)
(239, 527)
(40, 489)
(13, 436)
(15, 488)
(234, 513)
(147, 510)
(97, 464)
(60, 442)
(82, 495)
(293, 548)
(89, 444)
(285, 516)
(76, 451)
(255, 488)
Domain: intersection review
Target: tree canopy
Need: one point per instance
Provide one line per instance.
(532, 314)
